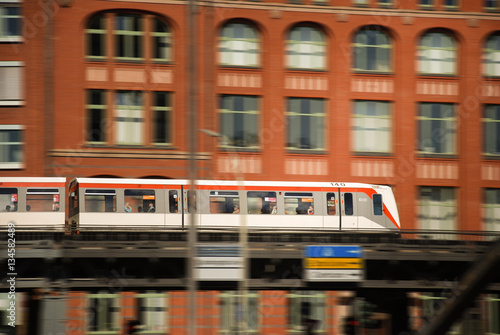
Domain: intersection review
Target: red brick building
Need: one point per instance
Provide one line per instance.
(405, 93)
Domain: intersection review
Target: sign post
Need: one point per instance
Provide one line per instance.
(334, 263)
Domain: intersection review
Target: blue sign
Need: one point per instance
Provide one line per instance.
(334, 251)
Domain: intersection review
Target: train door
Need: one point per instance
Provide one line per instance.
(189, 206)
(348, 209)
(377, 211)
(332, 214)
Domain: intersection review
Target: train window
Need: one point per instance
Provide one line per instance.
(73, 202)
(377, 204)
(191, 201)
(140, 201)
(330, 204)
(261, 202)
(8, 199)
(42, 199)
(173, 201)
(100, 200)
(299, 203)
(349, 206)
(224, 202)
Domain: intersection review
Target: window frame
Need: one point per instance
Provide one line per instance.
(12, 90)
(359, 131)
(489, 123)
(298, 56)
(227, 52)
(19, 153)
(488, 53)
(382, 59)
(5, 17)
(439, 135)
(296, 120)
(231, 109)
(424, 62)
(129, 113)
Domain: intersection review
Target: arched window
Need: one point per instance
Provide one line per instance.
(96, 37)
(372, 51)
(162, 41)
(239, 45)
(305, 48)
(437, 54)
(126, 33)
(491, 56)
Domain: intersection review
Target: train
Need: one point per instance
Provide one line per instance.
(114, 204)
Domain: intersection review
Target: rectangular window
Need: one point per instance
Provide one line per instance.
(261, 202)
(8, 199)
(349, 205)
(103, 313)
(152, 312)
(426, 4)
(161, 42)
(129, 117)
(10, 22)
(140, 201)
(331, 204)
(493, 317)
(96, 38)
(307, 305)
(173, 201)
(233, 315)
(128, 37)
(161, 118)
(299, 203)
(100, 201)
(377, 204)
(491, 210)
(239, 121)
(96, 116)
(437, 209)
(437, 134)
(491, 5)
(11, 83)
(224, 202)
(372, 127)
(42, 200)
(491, 130)
(385, 3)
(306, 124)
(11, 147)
(450, 4)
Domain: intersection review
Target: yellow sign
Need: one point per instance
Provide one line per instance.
(333, 263)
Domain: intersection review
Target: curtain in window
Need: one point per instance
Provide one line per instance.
(129, 119)
(491, 56)
(305, 48)
(371, 127)
(437, 209)
(239, 45)
(437, 54)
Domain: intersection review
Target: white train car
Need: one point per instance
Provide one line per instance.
(32, 202)
(143, 204)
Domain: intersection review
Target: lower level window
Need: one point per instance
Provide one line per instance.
(224, 202)
(437, 208)
(11, 147)
(103, 313)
